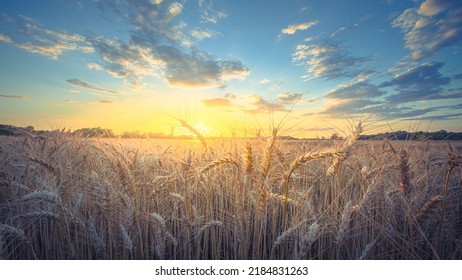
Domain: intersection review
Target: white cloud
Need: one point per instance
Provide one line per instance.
(201, 34)
(432, 26)
(264, 81)
(94, 66)
(291, 29)
(433, 7)
(208, 13)
(328, 60)
(44, 41)
(175, 9)
(82, 84)
(5, 38)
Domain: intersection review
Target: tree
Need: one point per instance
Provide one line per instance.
(335, 136)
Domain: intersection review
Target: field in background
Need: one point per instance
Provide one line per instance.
(65, 197)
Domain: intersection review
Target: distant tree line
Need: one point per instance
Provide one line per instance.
(419, 135)
(95, 132)
(98, 132)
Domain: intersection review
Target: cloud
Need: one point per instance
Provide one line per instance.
(433, 25)
(356, 90)
(201, 34)
(94, 66)
(277, 84)
(352, 107)
(328, 60)
(159, 44)
(344, 29)
(399, 98)
(288, 98)
(200, 70)
(82, 84)
(5, 38)
(35, 38)
(252, 104)
(264, 81)
(458, 76)
(421, 83)
(258, 105)
(217, 102)
(160, 47)
(18, 97)
(439, 117)
(230, 96)
(208, 13)
(433, 7)
(291, 29)
(105, 101)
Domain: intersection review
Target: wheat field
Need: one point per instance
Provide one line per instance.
(65, 197)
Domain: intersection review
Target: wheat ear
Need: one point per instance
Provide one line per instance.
(195, 132)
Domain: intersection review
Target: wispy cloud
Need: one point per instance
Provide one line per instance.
(328, 60)
(252, 104)
(105, 101)
(201, 34)
(94, 66)
(82, 84)
(292, 29)
(424, 82)
(406, 96)
(33, 37)
(351, 107)
(18, 97)
(433, 7)
(264, 81)
(356, 90)
(442, 117)
(344, 29)
(287, 98)
(208, 13)
(258, 105)
(433, 25)
(5, 38)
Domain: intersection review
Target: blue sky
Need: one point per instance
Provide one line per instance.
(132, 65)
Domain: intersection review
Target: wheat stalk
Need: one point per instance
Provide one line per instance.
(268, 155)
(347, 146)
(158, 218)
(248, 159)
(286, 236)
(195, 132)
(404, 181)
(218, 162)
(37, 215)
(127, 241)
(8, 230)
(311, 236)
(39, 195)
(367, 250)
(95, 241)
(343, 227)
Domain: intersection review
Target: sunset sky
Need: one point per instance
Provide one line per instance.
(231, 66)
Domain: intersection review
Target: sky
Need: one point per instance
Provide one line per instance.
(235, 67)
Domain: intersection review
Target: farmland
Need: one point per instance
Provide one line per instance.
(65, 197)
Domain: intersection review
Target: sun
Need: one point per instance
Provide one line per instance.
(202, 128)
